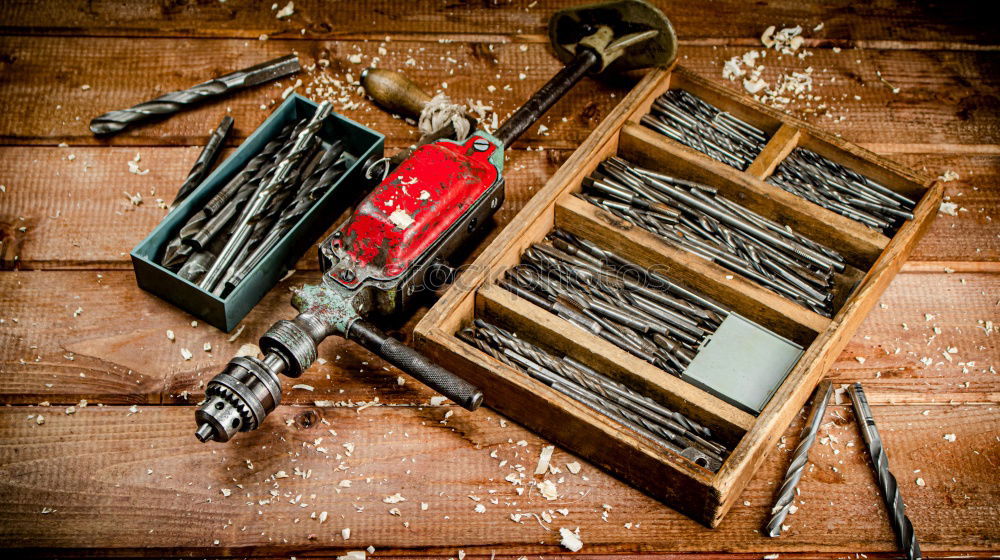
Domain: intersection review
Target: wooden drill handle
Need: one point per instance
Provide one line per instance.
(395, 92)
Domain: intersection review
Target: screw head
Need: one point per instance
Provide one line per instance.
(481, 144)
(347, 275)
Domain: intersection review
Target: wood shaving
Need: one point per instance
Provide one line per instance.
(570, 540)
(286, 12)
(949, 437)
(949, 208)
(548, 489)
(543, 459)
(303, 386)
(573, 467)
(248, 350)
(186, 354)
(394, 499)
(345, 533)
(170, 335)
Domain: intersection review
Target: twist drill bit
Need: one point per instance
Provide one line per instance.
(205, 160)
(786, 495)
(179, 248)
(262, 196)
(176, 101)
(887, 482)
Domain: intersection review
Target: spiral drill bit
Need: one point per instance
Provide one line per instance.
(205, 160)
(786, 495)
(176, 101)
(262, 196)
(180, 247)
(887, 482)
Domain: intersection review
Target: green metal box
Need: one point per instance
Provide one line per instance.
(362, 146)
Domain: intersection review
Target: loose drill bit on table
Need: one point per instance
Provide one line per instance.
(786, 495)
(837, 188)
(176, 101)
(686, 118)
(615, 400)
(695, 218)
(631, 307)
(886, 481)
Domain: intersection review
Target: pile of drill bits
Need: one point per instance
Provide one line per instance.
(634, 308)
(841, 190)
(698, 124)
(695, 218)
(221, 243)
(641, 414)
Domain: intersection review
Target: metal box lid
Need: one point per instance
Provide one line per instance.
(743, 363)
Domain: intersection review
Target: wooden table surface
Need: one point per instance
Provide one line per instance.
(124, 475)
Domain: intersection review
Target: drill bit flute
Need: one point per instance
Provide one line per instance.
(886, 481)
(176, 101)
(799, 458)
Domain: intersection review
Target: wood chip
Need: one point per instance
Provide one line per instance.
(543, 459)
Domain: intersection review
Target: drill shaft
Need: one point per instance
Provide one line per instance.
(176, 101)
(887, 482)
(786, 495)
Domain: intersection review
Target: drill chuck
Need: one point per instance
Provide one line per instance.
(239, 398)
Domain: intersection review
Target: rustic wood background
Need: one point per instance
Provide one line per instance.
(125, 477)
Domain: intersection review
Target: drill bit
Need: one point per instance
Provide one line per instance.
(799, 458)
(263, 195)
(176, 101)
(887, 482)
(181, 247)
(205, 160)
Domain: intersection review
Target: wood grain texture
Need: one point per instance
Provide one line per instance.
(107, 345)
(892, 23)
(955, 105)
(153, 490)
(60, 205)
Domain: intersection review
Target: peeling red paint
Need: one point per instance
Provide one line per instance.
(434, 187)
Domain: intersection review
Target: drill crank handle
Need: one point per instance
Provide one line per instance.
(416, 364)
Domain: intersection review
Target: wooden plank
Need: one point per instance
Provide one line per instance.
(44, 73)
(107, 343)
(93, 468)
(59, 214)
(76, 214)
(780, 145)
(889, 24)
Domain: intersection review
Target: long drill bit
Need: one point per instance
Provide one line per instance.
(205, 160)
(786, 495)
(887, 482)
(260, 198)
(179, 248)
(176, 101)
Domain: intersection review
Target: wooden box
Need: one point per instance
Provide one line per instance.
(872, 257)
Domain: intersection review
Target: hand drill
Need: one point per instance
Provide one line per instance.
(402, 233)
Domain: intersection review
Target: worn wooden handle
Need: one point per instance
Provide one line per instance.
(394, 91)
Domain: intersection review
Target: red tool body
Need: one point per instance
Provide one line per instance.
(412, 211)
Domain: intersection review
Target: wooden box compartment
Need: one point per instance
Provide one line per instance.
(873, 259)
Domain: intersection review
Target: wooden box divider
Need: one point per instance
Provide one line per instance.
(873, 259)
